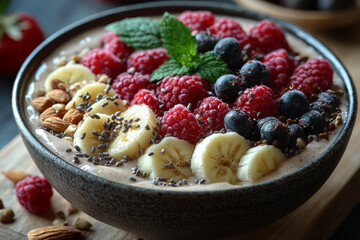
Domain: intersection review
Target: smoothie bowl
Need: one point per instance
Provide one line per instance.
(184, 133)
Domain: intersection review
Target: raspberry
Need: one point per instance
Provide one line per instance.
(227, 27)
(197, 20)
(251, 47)
(311, 77)
(258, 101)
(281, 67)
(212, 112)
(147, 61)
(128, 84)
(34, 194)
(181, 123)
(181, 90)
(270, 36)
(120, 49)
(147, 97)
(101, 61)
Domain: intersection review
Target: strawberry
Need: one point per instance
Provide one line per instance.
(20, 34)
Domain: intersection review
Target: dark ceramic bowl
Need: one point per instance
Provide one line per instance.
(167, 214)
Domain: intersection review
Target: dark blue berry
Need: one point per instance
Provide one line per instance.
(205, 42)
(241, 123)
(255, 73)
(227, 87)
(229, 50)
(264, 120)
(275, 133)
(313, 122)
(326, 103)
(293, 104)
(329, 98)
(295, 132)
(334, 4)
(299, 4)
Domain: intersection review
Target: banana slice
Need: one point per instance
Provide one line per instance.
(92, 90)
(108, 107)
(258, 162)
(70, 74)
(138, 133)
(86, 138)
(170, 159)
(217, 157)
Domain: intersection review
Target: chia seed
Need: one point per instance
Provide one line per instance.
(77, 148)
(131, 178)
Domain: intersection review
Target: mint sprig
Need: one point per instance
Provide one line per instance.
(146, 33)
(141, 33)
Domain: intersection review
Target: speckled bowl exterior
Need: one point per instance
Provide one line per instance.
(161, 214)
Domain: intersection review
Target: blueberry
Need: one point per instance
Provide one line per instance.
(326, 103)
(255, 73)
(299, 4)
(293, 104)
(295, 132)
(229, 50)
(334, 4)
(227, 87)
(205, 42)
(241, 123)
(313, 122)
(264, 120)
(276, 133)
(329, 98)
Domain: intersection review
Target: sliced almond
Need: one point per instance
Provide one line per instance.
(57, 110)
(56, 124)
(15, 175)
(59, 96)
(42, 103)
(73, 116)
(54, 232)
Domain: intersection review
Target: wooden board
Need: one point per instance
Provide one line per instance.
(318, 218)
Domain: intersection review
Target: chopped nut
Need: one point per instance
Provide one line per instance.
(73, 88)
(1, 204)
(82, 224)
(6, 215)
(59, 96)
(300, 143)
(70, 105)
(58, 84)
(56, 124)
(338, 120)
(61, 62)
(61, 214)
(15, 175)
(70, 130)
(104, 79)
(42, 103)
(59, 222)
(73, 116)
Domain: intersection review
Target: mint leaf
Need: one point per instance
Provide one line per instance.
(141, 32)
(170, 68)
(211, 67)
(178, 41)
(4, 4)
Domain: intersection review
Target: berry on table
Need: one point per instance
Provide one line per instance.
(241, 123)
(197, 20)
(258, 101)
(102, 61)
(211, 113)
(181, 123)
(255, 73)
(227, 87)
(147, 97)
(275, 133)
(128, 84)
(270, 36)
(181, 90)
(293, 104)
(226, 27)
(147, 61)
(229, 50)
(312, 122)
(34, 194)
(205, 42)
(112, 43)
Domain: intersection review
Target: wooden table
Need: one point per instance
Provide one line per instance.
(318, 218)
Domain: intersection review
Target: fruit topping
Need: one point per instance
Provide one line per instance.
(205, 42)
(227, 27)
(275, 133)
(241, 123)
(229, 50)
(147, 61)
(111, 42)
(147, 97)
(255, 73)
(228, 87)
(197, 20)
(312, 122)
(293, 104)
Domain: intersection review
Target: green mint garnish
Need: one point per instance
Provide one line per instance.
(4, 4)
(145, 33)
(140, 33)
(178, 41)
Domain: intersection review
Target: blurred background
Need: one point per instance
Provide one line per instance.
(335, 22)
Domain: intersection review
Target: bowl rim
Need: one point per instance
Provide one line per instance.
(84, 24)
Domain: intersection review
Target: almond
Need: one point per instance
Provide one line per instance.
(55, 123)
(42, 103)
(59, 96)
(54, 232)
(54, 111)
(15, 175)
(58, 84)
(73, 116)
